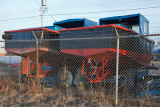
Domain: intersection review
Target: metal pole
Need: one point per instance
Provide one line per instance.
(42, 13)
(37, 58)
(42, 18)
(117, 66)
(37, 65)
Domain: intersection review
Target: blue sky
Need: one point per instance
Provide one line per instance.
(12, 9)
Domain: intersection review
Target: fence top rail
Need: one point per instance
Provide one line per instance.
(72, 38)
(151, 35)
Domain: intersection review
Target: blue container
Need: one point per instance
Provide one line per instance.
(136, 22)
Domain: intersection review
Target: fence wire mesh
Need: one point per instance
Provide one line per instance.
(79, 69)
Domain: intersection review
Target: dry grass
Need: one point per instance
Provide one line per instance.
(14, 94)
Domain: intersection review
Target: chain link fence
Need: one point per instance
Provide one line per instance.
(79, 69)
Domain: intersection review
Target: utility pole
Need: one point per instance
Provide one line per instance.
(41, 15)
(43, 4)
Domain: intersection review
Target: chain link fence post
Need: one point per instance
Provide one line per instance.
(117, 65)
(37, 64)
(37, 58)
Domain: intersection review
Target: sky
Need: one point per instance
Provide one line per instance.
(21, 14)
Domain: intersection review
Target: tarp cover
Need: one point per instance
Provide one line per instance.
(73, 23)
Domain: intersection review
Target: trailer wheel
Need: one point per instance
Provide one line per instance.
(28, 80)
(22, 78)
(79, 80)
(64, 78)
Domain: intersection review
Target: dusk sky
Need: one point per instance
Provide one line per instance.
(21, 14)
